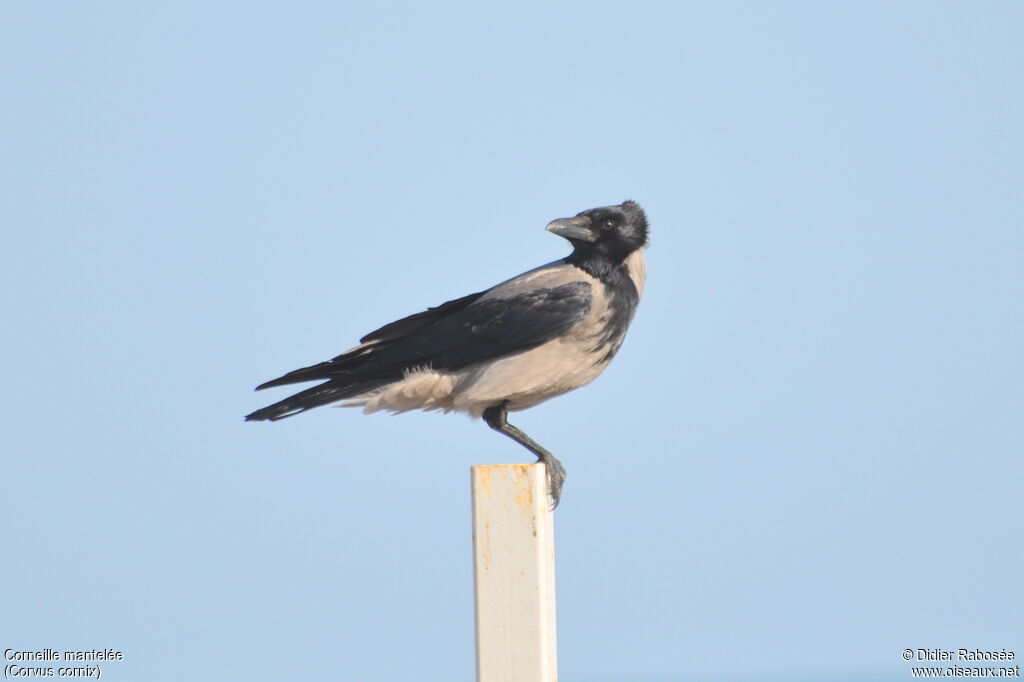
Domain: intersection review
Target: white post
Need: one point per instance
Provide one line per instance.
(514, 574)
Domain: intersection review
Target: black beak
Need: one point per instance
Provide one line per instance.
(574, 229)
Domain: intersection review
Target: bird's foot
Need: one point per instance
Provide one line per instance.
(496, 417)
(555, 476)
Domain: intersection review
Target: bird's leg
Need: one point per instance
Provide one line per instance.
(497, 418)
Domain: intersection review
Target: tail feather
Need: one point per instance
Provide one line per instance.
(329, 392)
(359, 358)
(298, 376)
(380, 359)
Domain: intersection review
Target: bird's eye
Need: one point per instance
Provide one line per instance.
(609, 224)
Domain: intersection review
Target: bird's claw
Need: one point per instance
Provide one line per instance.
(556, 479)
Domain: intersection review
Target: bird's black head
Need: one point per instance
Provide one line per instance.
(611, 232)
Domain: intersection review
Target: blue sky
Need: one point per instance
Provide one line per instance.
(805, 459)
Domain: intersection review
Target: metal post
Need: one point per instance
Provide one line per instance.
(514, 574)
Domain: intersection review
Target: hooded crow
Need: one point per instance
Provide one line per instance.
(541, 334)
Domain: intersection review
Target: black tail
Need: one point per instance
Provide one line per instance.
(329, 392)
(379, 359)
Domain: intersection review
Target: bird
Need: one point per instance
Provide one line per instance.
(538, 335)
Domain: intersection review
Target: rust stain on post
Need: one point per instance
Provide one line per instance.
(482, 480)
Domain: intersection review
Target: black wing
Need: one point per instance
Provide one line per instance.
(490, 328)
(449, 337)
(407, 325)
(389, 333)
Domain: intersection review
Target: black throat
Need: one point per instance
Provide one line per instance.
(596, 263)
